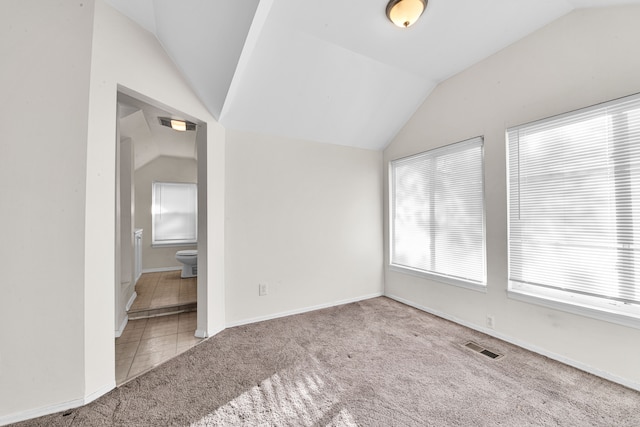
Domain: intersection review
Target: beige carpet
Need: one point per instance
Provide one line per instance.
(372, 363)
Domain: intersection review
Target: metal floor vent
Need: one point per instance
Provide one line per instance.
(480, 349)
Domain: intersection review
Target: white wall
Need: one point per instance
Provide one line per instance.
(303, 217)
(60, 82)
(166, 169)
(44, 79)
(126, 55)
(581, 59)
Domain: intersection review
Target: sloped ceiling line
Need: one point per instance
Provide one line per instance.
(331, 71)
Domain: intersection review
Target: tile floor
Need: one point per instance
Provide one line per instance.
(145, 343)
(164, 289)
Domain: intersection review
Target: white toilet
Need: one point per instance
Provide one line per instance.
(189, 260)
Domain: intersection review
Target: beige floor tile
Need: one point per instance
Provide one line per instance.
(136, 324)
(122, 369)
(188, 316)
(126, 350)
(168, 284)
(141, 303)
(166, 292)
(163, 302)
(161, 344)
(182, 348)
(145, 362)
(143, 295)
(129, 335)
(187, 321)
(163, 320)
(188, 338)
(186, 299)
(155, 331)
(145, 343)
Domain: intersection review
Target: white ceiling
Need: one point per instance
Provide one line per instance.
(331, 71)
(139, 121)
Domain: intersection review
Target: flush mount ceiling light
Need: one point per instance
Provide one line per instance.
(405, 13)
(179, 125)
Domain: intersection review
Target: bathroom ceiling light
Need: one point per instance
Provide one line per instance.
(175, 124)
(178, 125)
(405, 13)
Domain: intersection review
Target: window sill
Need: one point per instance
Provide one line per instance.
(438, 278)
(172, 244)
(618, 313)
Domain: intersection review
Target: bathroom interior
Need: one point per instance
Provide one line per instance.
(156, 232)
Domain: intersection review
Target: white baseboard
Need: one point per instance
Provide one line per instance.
(205, 334)
(123, 325)
(58, 407)
(302, 310)
(558, 357)
(130, 302)
(160, 269)
(99, 392)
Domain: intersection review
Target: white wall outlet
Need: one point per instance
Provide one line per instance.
(490, 322)
(263, 289)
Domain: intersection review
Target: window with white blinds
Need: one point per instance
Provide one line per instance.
(437, 213)
(574, 207)
(174, 213)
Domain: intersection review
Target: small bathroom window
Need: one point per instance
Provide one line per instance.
(174, 213)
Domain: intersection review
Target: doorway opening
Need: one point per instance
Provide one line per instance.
(155, 303)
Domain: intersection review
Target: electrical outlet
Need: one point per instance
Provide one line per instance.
(263, 289)
(490, 322)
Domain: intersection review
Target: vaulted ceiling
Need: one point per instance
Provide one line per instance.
(331, 71)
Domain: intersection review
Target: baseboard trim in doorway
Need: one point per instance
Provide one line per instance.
(123, 325)
(302, 310)
(130, 302)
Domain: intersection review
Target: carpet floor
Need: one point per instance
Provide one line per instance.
(371, 363)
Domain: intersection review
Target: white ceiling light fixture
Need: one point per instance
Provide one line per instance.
(175, 124)
(404, 13)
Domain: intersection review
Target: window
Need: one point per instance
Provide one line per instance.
(437, 214)
(574, 209)
(174, 213)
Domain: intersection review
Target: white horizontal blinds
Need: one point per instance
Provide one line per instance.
(438, 212)
(174, 212)
(411, 244)
(574, 202)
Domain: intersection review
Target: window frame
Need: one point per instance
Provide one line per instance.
(602, 307)
(172, 242)
(479, 286)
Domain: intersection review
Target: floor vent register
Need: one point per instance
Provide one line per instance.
(482, 350)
